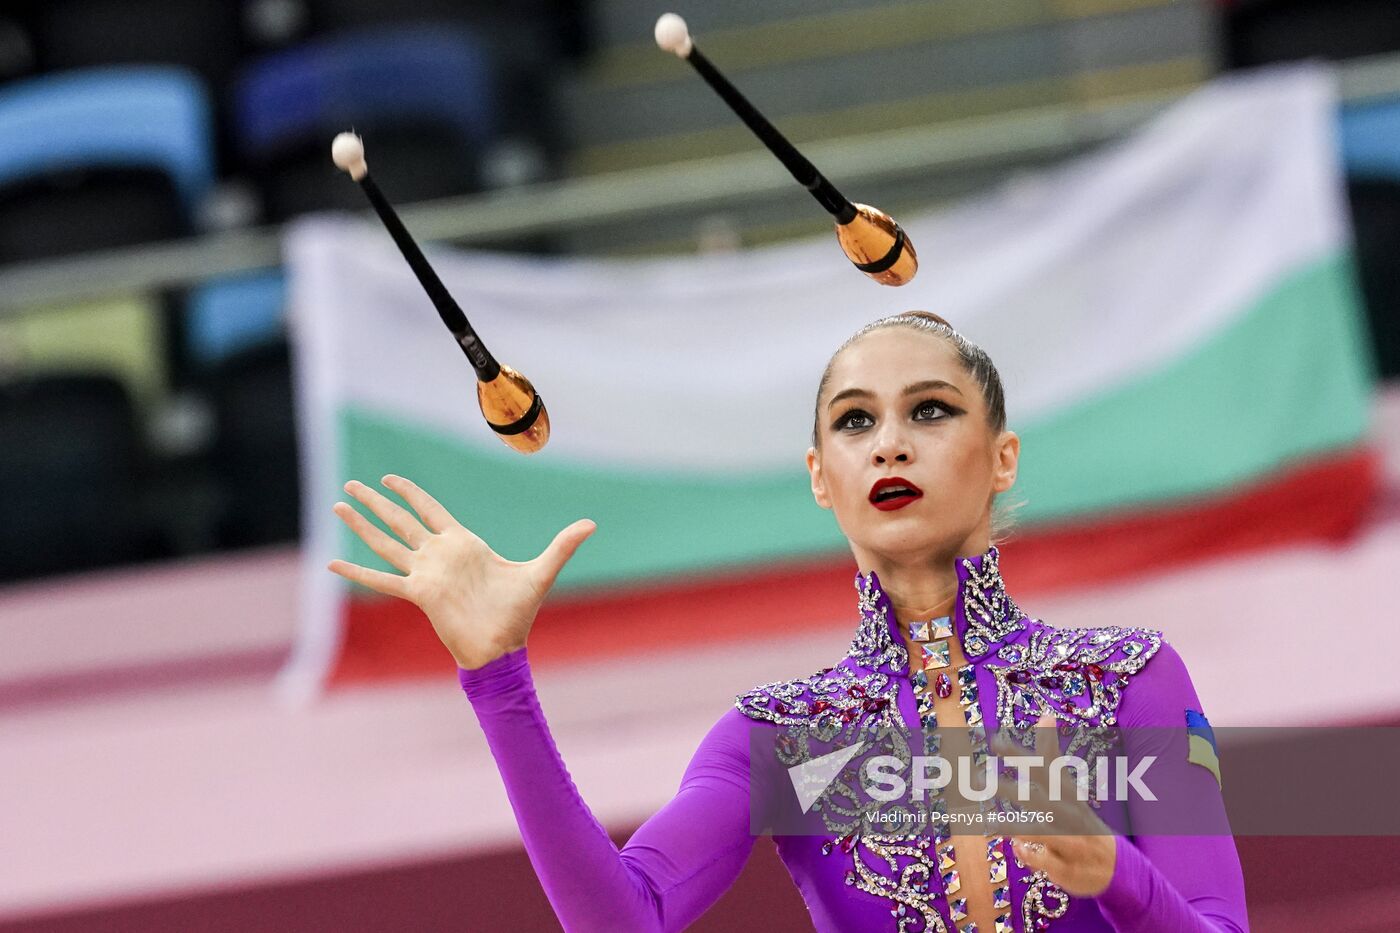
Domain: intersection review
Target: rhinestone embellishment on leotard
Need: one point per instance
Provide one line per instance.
(1078, 675)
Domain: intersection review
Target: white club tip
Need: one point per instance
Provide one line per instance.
(673, 35)
(348, 154)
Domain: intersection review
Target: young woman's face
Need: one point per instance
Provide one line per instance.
(935, 437)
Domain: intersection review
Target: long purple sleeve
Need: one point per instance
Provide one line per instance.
(677, 863)
(1165, 883)
(691, 850)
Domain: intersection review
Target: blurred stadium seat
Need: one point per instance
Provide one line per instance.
(1260, 31)
(17, 56)
(536, 30)
(1370, 138)
(1375, 217)
(70, 454)
(423, 95)
(120, 337)
(201, 35)
(255, 452)
(1370, 135)
(228, 315)
(101, 158)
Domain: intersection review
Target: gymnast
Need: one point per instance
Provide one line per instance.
(910, 452)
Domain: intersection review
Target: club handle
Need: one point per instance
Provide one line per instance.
(481, 359)
(799, 165)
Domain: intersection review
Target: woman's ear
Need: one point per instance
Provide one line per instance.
(814, 467)
(1008, 454)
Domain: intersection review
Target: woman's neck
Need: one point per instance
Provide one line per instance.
(922, 597)
(918, 592)
(925, 588)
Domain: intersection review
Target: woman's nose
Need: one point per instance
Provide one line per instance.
(891, 446)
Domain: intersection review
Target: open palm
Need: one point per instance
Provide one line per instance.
(480, 604)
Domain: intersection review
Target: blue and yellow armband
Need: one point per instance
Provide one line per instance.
(1202, 749)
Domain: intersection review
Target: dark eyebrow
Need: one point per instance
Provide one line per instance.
(910, 389)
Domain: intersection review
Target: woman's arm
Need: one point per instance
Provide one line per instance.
(1163, 882)
(482, 607)
(672, 869)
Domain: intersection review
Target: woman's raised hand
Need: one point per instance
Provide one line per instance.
(480, 604)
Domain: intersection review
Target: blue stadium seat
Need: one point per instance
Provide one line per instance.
(229, 315)
(100, 158)
(1370, 134)
(423, 97)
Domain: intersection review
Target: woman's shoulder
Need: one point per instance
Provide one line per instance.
(1122, 673)
(847, 694)
(1125, 650)
(782, 702)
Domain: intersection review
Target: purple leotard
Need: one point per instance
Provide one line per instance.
(687, 854)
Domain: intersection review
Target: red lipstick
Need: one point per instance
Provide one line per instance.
(893, 492)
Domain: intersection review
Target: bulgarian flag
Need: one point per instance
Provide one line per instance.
(1175, 317)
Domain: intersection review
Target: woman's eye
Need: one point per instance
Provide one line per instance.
(846, 418)
(932, 406)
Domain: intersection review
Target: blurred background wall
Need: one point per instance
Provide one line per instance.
(151, 152)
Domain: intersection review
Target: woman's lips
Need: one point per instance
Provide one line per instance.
(896, 502)
(908, 493)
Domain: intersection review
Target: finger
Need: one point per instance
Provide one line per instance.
(565, 543)
(399, 520)
(386, 547)
(431, 511)
(1062, 815)
(1035, 799)
(1033, 839)
(1065, 812)
(1005, 747)
(389, 584)
(1007, 787)
(1069, 809)
(1034, 853)
(1046, 748)
(1047, 745)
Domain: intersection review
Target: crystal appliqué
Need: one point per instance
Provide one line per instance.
(1078, 675)
(991, 612)
(861, 693)
(1043, 901)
